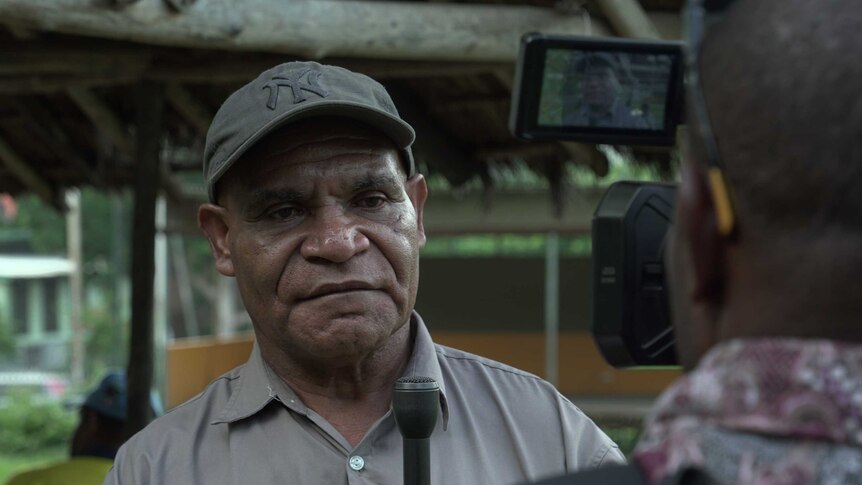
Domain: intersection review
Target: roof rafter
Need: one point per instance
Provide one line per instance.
(312, 29)
(49, 131)
(29, 177)
(99, 112)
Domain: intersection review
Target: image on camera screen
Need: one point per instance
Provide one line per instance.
(597, 89)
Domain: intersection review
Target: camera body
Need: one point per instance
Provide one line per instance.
(631, 312)
(623, 92)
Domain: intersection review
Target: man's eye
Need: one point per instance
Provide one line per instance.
(284, 213)
(371, 202)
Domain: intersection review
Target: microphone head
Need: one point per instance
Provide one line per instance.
(415, 403)
(415, 383)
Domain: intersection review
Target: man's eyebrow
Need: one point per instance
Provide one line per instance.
(261, 196)
(371, 181)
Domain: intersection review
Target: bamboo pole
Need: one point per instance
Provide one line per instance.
(629, 19)
(311, 29)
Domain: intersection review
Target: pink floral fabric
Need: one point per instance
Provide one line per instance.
(767, 411)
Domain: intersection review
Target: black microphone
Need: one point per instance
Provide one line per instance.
(415, 403)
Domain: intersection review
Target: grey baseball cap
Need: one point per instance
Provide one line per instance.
(293, 91)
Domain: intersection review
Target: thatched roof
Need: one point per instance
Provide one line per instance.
(69, 73)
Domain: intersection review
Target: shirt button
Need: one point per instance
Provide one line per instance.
(357, 463)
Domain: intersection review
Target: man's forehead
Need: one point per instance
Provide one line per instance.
(356, 179)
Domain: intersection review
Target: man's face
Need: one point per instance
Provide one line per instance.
(600, 87)
(323, 235)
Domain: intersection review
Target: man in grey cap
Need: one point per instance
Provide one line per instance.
(316, 209)
(597, 101)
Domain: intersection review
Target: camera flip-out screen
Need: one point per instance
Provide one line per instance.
(597, 90)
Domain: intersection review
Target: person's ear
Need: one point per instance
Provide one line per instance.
(417, 190)
(699, 224)
(214, 221)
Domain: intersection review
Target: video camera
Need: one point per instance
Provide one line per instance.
(622, 92)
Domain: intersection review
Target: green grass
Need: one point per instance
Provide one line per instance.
(12, 464)
(624, 432)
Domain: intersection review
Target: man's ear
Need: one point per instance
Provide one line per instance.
(417, 190)
(215, 223)
(699, 223)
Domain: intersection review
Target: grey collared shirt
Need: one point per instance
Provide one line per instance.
(498, 425)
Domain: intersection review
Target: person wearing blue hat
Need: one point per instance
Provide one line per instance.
(96, 440)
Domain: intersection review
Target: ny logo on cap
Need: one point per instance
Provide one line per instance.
(304, 82)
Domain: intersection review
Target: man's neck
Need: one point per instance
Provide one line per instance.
(350, 397)
(799, 300)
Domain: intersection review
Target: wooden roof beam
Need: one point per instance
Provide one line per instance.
(72, 57)
(29, 177)
(101, 115)
(43, 80)
(311, 29)
(192, 109)
(43, 84)
(51, 133)
(628, 18)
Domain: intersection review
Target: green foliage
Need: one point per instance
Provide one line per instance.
(515, 245)
(28, 424)
(625, 437)
(97, 232)
(100, 344)
(625, 431)
(45, 226)
(7, 339)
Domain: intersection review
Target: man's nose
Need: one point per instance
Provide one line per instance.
(334, 237)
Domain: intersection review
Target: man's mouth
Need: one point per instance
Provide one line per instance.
(338, 288)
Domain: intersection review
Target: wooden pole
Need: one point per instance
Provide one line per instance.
(628, 18)
(150, 102)
(311, 29)
(76, 283)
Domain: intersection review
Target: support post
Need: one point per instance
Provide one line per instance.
(76, 283)
(552, 306)
(149, 104)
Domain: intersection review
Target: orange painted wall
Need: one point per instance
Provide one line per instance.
(192, 364)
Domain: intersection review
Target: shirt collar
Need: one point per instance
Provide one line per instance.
(253, 391)
(423, 362)
(258, 385)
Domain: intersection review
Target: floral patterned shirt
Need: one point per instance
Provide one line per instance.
(762, 411)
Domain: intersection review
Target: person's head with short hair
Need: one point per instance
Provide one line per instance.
(102, 419)
(316, 210)
(600, 84)
(780, 79)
